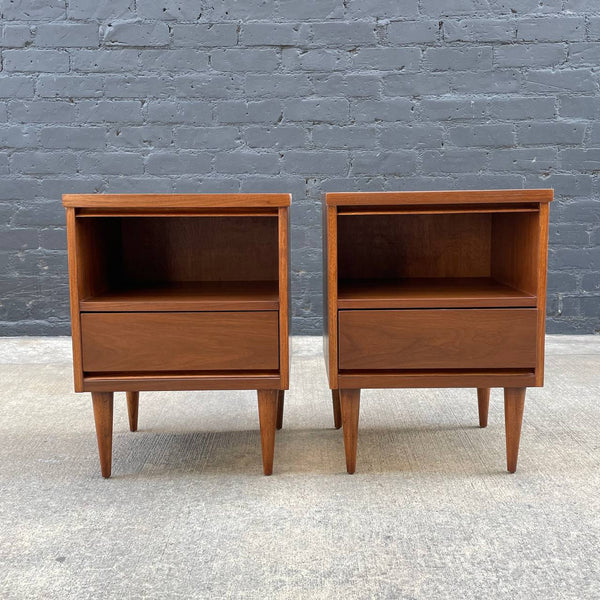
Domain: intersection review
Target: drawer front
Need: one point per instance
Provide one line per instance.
(185, 341)
(437, 339)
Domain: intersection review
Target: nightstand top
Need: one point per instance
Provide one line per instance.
(167, 201)
(439, 197)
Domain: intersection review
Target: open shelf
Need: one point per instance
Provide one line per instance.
(431, 292)
(187, 296)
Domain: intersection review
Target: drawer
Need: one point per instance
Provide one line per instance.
(182, 341)
(437, 339)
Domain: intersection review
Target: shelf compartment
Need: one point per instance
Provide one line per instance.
(187, 296)
(431, 292)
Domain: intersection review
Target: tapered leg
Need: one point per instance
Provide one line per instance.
(103, 415)
(337, 410)
(267, 415)
(483, 399)
(350, 405)
(514, 401)
(280, 401)
(133, 400)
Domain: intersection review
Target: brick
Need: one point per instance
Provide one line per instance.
(218, 138)
(383, 8)
(500, 135)
(280, 137)
(16, 86)
(337, 84)
(594, 31)
(452, 7)
(42, 111)
(579, 107)
(273, 34)
(315, 162)
(35, 61)
(578, 159)
(315, 60)
(199, 113)
(236, 111)
(275, 85)
(139, 185)
(208, 86)
(567, 234)
(243, 161)
(343, 34)
(412, 136)
(136, 33)
(113, 111)
(105, 60)
(590, 282)
(78, 86)
(205, 35)
(384, 110)
(111, 163)
(3, 112)
(18, 239)
(383, 163)
(576, 258)
(292, 10)
(413, 32)
(186, 59)
(138, 86)
(33, 10)
(416, 84)
(550, 133)
(264, 60)
(521, 160)
(387, 59)
(92, 10)
(3, 163)
(166, 163)
(169, 10)
(13, 35)
(522, 108)
(453, 108)
(347, 138)
(328, 110)
(530, 55)
(459, 59)
(67, 35)
(499, 81)
(480, 30)
(584, 54)
(551, 29)
(53, 239)
(453, 161)
(147, 136)
(41, 163)
(73, 137)
(17, 136)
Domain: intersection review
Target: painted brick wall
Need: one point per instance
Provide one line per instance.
(303, 96)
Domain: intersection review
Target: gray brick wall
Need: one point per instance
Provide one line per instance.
(304, 96)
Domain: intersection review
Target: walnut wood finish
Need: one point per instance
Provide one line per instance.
(133, 401)
(436, 289)
(280, 403)
(180, 341)
(337, 409)
(514, 402)
(103, 417)
(268, 401)
(178, 292)
(350, 405)
(483, 403)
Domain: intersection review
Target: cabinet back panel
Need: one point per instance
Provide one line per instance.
(392, 246)
(200, 249)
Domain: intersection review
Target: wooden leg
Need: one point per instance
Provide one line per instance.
(280, 401)
(514, 401)
(350, 405)
(483, 399)
(133, 400)
(267, 415)
(337, 410)
(103, 415)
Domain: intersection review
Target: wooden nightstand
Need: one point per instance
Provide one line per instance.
(435, 289)
(179, 292)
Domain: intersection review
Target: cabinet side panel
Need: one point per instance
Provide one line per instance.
(284, 298)
(74, 299)
(330, 280)
(541, 291)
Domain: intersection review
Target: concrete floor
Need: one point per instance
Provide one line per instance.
(431, 512)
